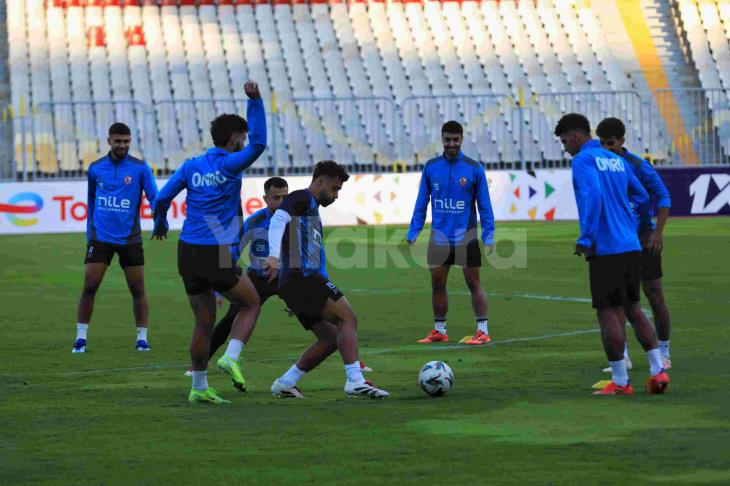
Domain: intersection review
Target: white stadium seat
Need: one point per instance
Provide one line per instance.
(395, 69)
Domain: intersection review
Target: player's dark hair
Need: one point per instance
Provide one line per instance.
(611, 127)
(330, 168)
(226, 125)
(119, 128)
(573, 121)
(452, 126)
(274, 182)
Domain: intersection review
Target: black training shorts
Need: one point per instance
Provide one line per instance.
(306, 296)
(651, 266)
(263, 287)
(464, 255)
(205, 267)
(100, 252)
(615, 279)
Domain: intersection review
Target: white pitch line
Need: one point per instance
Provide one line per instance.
(554, 298)
(365, 352)
(470, 346)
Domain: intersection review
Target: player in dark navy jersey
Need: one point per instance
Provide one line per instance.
(212, 226)
(295, 237)
(116, 183)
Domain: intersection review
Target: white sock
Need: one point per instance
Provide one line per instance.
(626, 350)
(81, 330)
(141, 334)
(200, 380)
(664, 348)
(440, 325)
(292, 376)
(619, 375)
(354, 373)
(655, 361)
(482, 325)
(234, 349)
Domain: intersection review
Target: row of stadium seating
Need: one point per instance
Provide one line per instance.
(707, 25)
(168, 69)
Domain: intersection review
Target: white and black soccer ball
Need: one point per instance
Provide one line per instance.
(436, 378)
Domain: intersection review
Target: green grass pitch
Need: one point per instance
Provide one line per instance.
(521, 409)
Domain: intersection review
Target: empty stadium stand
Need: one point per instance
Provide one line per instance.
(365, 82)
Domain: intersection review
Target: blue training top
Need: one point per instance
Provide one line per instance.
(114, 198)
(649, 178)
(256, 232)
(604, 190)
(213, 183)
(456, 188)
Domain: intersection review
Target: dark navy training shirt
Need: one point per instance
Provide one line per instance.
(302, 247)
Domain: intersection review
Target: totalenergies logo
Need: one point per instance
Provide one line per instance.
(22, 203)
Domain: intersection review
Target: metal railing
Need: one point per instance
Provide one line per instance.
(490, 123)
(543, 111)
(679, 127)
(353, 131)
(697, 126)
(6, 141)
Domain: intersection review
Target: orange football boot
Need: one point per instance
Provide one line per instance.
(435, 337)
(479, 338)
(613, 389)
(657, 384)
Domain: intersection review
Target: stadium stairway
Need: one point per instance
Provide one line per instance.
(647, 36)
(674, 52)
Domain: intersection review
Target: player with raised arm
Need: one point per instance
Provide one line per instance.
(295, 236)
(211, 228)
(457, 187)
(116, 182)
(604, 191)
(611, 132)
(255, 232)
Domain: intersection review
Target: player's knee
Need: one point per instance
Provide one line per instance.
(473, 284)
(438, 285)
(351, 319)
(90, 288)
(137, 290)
(252, 304)
(652, 292)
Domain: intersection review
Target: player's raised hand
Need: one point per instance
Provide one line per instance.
(271, 267)
(252, 90)
(489, 249)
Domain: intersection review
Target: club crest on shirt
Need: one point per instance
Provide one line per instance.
(127, 180)
(462, 181)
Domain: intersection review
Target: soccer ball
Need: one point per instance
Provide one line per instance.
(436, 378)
